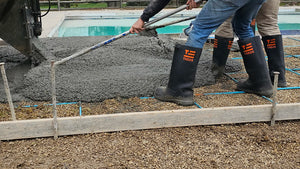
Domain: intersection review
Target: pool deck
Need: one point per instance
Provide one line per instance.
(52, 21)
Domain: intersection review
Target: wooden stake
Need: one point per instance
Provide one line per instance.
(54, 100)
(274, 103)
(7, 91)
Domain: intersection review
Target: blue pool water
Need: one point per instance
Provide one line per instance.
(116, 30)
(103, 26)
(111, 30)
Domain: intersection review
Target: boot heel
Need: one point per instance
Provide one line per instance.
(165, 94)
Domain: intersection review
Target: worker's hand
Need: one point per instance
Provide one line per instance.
(192, 4)
(137, 27)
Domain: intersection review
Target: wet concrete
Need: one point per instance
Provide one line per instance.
(131, 66)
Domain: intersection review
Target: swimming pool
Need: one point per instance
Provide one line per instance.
(104, 25)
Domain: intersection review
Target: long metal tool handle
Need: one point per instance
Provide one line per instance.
(182, 7)
(84, 51)
(170, 23)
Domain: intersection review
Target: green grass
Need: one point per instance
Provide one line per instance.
(76, 5)
(289, 4)
(42, 6)
(89, 5)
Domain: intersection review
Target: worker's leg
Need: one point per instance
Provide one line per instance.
(222, 45)
(182, 76)
(274, 49)
(212, 15)
(186, 57)
(225, 30)
(259, 81)
(267, 18)
(267, 24)
(242, 19)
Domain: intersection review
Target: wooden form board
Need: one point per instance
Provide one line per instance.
(21, 129)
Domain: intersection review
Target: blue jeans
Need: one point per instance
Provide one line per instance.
(215, 12)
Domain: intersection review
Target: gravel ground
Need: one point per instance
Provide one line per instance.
(230, 146)
(253, 145)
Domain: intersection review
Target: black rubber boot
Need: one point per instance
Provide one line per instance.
(259, 81)
(221, 51)
(274, 49)
(182, 77)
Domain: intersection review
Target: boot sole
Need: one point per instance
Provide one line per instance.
(267, 93)
(282, 84)
(175, 100)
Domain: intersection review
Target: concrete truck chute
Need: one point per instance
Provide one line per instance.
(20, 26)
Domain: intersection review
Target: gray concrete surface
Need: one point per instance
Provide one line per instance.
(131, 66)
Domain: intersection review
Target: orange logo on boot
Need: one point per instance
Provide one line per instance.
(216, 43)
(271, 43)
(248, 49)
(189, 55)
(253, 22)
(229, 44)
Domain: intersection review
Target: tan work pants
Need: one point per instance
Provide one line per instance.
(266, 19)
